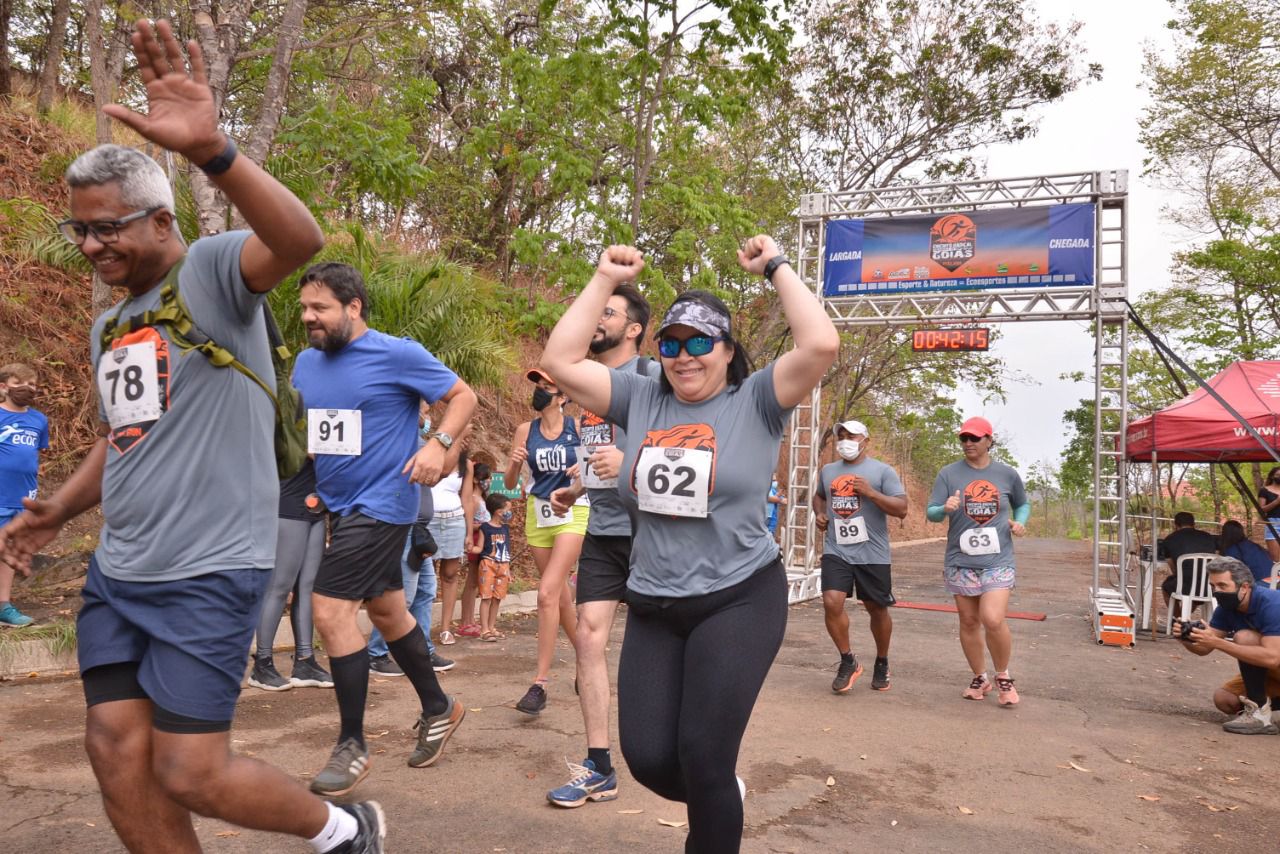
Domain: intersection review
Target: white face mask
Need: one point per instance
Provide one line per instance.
(848, 449)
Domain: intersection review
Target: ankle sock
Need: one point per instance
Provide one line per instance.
(340, 828)
(410, 652)
(351, 687)
(599, 757)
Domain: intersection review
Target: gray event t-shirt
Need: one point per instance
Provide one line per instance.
(835, 484)
(987, 498)
(608, 516)
(194, 489)
(741, 428)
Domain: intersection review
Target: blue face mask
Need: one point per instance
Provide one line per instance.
(506, 515)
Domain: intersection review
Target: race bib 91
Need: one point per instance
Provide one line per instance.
(128, 384)
(590, 479)
(674, 481)
(545, 516)
(334, 431)
(980, 541)
(850, 532)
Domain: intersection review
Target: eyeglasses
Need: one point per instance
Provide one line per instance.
(104, 231)
(610, 313)
(969, 439)
(697, 345)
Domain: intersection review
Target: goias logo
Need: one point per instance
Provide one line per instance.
(981, 501)
(953, 240)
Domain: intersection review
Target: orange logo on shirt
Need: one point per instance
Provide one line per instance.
(698, 437)
(981, 501)
(844, 500)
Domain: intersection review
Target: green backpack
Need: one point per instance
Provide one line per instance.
(291, 415)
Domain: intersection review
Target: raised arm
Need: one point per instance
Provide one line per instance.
(519, 453)
(816, 341)
(181, 117)
(565, 356)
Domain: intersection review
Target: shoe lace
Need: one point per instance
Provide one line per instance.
(978, 682)
(1004, 683)
(578, 774)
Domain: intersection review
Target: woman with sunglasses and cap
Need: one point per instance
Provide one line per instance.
(985, 505)
(549, 444)
(707, 599)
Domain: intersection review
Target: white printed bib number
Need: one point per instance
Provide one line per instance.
(334, 431)
(850, 532)
(545, 516)
(590, 479)
(674, 481)
(980, 541)
(128, 385)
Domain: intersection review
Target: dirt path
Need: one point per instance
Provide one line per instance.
(1134, 724)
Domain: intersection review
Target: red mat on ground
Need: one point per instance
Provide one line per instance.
(930, 606)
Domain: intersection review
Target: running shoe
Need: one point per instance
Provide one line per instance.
(446, 638)
(846, 675)
(266, 677)
(347, 766)
(307, 673)
(880, 676)
(384, 665)
(469, 631)
(371, 829)
(1008, 695)
(533, 701)
(979, 688)
(434, 732)
(440, 664)
(585, 784)
(1252, 720)
(12, 618)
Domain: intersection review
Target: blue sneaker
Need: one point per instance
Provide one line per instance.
(587, 784)
(12, 618)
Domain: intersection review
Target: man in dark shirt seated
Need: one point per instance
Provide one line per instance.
(1186, 539)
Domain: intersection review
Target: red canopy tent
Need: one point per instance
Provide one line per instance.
(1197, 429)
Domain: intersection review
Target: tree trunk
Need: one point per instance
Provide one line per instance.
(6, 78)
(53, 56)
(104, 57)
(219, 40)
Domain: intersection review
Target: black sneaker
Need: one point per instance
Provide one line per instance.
(371, 829)
(434, 731)
(384, 666)
(533, 701)
(347, 766)
(266, 677)
(440, 664)
(845, 676)
(307, 673)
(880, 676)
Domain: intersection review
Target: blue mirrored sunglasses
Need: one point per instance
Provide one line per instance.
(697, 345)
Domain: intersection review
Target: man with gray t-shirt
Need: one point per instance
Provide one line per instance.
(855, 495)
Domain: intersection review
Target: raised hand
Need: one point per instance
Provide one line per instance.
(620, 264)
(953, 503)
(181, 115)
(757, 252)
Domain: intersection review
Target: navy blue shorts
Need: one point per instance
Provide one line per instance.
(190, 638)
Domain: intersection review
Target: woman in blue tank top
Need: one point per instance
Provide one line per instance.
(549, 444)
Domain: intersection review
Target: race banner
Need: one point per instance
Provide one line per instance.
(1006, 248)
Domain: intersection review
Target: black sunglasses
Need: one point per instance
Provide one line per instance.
(969, 438)
(104, 231)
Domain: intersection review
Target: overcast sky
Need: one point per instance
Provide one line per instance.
(1094, 128)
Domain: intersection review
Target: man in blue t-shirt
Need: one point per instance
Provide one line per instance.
(362, 389)
(1246, 626)
(24, 433)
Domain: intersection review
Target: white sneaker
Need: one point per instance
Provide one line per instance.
(1252, 720)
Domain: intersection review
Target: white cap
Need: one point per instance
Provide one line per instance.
(855, 428)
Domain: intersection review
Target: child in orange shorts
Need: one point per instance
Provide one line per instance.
(494, 551)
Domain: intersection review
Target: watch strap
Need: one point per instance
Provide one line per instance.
(222, 162)
(774, 263)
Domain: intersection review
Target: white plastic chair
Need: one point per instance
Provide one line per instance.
(1195, 567)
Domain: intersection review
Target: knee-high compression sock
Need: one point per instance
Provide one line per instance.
(410, 652)
(1255, 682)
(351, 685)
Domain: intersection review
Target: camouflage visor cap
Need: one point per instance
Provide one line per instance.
(696, 315)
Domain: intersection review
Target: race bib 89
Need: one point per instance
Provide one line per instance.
(674, 481)
(850, 532)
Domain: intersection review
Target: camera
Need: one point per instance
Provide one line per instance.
(1186, 627)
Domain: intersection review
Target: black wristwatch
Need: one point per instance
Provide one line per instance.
(774, 263)
(222, 162)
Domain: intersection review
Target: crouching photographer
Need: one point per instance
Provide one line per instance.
(1246, 626)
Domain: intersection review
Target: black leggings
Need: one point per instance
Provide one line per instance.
(689, 675)
(299, 547)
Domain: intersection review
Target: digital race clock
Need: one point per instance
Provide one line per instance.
(953, 340)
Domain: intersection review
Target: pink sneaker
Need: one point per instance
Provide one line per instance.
(979, 688)
(469, 631)
(1008, 695)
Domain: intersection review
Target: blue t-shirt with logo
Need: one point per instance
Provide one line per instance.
(1263, 615)
(384, 378)
(23, 435)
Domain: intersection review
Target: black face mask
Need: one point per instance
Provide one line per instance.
(1230, 601)
(22, 396)
(541, 399)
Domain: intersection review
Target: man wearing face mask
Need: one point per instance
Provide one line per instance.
(855, 494)
(1246, 626)
(24, 433)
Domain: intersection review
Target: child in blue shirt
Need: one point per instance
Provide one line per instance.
(24, 433)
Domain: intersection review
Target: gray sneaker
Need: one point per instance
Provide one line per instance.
(440, 664)
(307, 673)
(348, 765)
(266, 677)
(434, 732)
(1252, 720)
(383, 665)
(371, 829)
